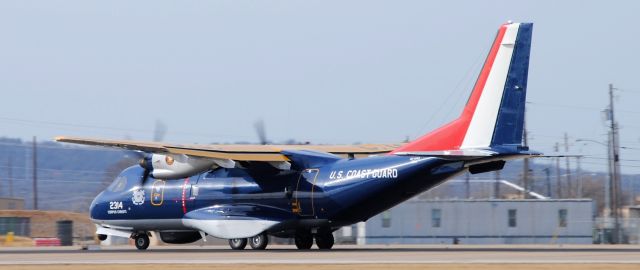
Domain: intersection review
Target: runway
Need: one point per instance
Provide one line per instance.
(378, 255)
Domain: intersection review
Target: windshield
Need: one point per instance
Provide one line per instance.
(118, 184)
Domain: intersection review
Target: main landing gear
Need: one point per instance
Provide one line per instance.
(141, 240)
(238, 243)
(324, 240)
(304, 239)
(258, 242)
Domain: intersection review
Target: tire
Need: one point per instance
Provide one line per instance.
(259, 242)
(325, 240)
(303, 241)
(102, 237)
(238, 243)
(142, 241)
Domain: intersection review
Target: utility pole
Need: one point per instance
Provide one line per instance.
(607, 183)
(35, 175)
(633, 191)
(558, 184)
(496, 186)
(547, 172)
(579, 176)
(568, 164)
(525, 170)
(615, 179)
(467, 188)
(10, 175)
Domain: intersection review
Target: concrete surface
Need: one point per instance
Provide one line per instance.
(392, 255)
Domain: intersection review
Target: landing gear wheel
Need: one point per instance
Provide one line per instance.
(142, 241)
(303, 240)
(238, 243)
(259, 241)
(324, 240)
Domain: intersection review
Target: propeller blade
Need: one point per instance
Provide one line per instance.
(159, 131)
(260, 130)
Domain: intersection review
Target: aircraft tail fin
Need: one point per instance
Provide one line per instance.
(494, 114)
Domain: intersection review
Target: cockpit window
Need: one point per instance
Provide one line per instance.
(119, 184)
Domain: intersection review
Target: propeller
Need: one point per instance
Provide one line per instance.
(260, 130)
(159, 131)
(145, 162)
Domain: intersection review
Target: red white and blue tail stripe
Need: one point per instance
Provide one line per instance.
(493, 117)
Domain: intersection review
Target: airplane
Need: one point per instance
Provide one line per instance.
(246, 193)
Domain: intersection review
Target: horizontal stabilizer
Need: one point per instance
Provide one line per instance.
(451, 153)
(475, 154)
(558, 156)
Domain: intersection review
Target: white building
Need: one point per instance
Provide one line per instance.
(483, 222)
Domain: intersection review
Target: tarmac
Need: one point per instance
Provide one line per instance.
(341, 254)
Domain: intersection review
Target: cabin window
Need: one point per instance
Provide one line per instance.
(436, 218)
(562, 218)
(386, 219)
(513, 214)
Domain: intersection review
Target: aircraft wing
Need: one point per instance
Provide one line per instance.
(238, 152)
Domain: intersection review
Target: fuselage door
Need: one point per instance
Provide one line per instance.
(302, 199)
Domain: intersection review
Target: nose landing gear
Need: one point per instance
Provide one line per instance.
(141, 241)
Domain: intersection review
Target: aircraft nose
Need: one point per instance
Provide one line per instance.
(92, 207)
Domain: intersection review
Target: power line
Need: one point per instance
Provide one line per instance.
(63, 147)
(457, 91)
(58, 170)
(65, 180)
(563, 106)
(603, 158)
(578, 107)
(95, 127)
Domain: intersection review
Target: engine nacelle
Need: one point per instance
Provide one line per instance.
(171, 166)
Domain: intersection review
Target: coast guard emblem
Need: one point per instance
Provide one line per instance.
(138, 197)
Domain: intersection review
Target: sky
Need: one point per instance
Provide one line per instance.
(319, 71)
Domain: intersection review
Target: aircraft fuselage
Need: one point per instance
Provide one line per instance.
(336, 194)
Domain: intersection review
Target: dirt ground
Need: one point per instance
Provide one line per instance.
(327, 266)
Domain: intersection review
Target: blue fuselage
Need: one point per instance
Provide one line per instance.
(337, 193)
